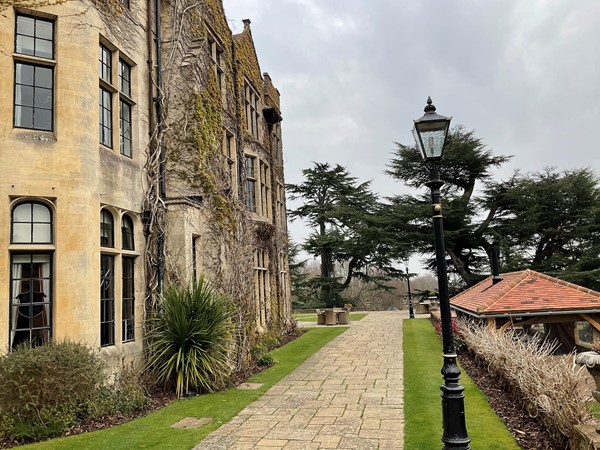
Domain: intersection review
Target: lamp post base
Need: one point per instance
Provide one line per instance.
(453, 407)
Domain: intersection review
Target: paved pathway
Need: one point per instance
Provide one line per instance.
(346, 396)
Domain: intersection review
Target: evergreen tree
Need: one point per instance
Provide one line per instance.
(348, 227)
(466, 161)
(550, 221)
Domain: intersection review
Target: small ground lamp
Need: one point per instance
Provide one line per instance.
(430, 132)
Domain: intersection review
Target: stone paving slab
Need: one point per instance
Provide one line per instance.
(348, 395)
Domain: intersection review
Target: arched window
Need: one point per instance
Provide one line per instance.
(127, 233)
(107, 229)
(30, 275)
(31, 224)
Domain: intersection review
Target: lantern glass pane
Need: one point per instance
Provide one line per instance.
(433, 143)
(418, 142)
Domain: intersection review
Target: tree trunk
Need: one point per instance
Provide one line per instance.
(326, 292)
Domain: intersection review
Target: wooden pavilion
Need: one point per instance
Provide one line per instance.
(531, 300)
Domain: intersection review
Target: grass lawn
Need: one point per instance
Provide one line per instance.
(422, 403)
(312, 317)
(153, 431)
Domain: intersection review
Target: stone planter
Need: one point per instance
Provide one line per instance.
(591, 360)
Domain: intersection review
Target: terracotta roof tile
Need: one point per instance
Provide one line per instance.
(528, 292)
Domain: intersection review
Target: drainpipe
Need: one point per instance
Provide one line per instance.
(159, 141)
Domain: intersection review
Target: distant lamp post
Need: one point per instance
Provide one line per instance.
(411, 311)
(430, 132)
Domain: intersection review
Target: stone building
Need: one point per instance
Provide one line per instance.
(136, 150)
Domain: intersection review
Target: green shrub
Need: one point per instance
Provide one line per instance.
(44, 389)
(190, 337)
(265, 342)
(261, 356)
(266, 360)
(125, 395)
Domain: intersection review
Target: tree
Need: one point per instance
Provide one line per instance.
(304, 294)
(547, 221)
(466, 161)
(550, 221)
(349, 226)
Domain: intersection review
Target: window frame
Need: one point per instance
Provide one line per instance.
(127, 233)
(251, 184)
(107, 300)
(252, 109)
(14, 306)
(264, 174)
(230, 152)
(43, 251)
(280, 202)
(128, 299)
(104, 227)
(31, 222)
(116, 107)
(106, 130)
(261, 284)
(118, 313)
(216, 52)
(277, 148)
(125, 121)
(104, 51)
(35, 38)
(38, 61)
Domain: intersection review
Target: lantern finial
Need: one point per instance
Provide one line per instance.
(429, 108)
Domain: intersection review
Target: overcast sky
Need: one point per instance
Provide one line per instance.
(353, 74)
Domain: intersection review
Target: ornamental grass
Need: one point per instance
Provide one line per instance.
(552, 388)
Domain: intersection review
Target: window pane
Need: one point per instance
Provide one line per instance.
(126, 148)
(43, 48)
(23, 117)
(106, 229)
(40, 213)
(25, 45)
(106, 137)
(104, 64)
(109, 311)
(127, 234)
(43, 98)
(24, 95)
(21, 233)
(22, 213)
(24, 74)
(41, 233)
(107, 304)
(44, 29)
(42, 119)
(125, 111)
(25, 25)
(43, 77)
(106, 116)
(124, 78)
(125, 128)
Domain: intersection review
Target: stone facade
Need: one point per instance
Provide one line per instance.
(81, 169)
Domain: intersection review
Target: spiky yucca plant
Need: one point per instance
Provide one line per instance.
(190, 337)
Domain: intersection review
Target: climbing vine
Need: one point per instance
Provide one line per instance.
(188, 146)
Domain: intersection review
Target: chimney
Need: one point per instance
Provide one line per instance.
(495, 265)
(246, 23)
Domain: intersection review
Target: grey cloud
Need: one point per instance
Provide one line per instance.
(354, 73)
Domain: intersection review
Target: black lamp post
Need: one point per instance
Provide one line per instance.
(411, 311)
(430, 132)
